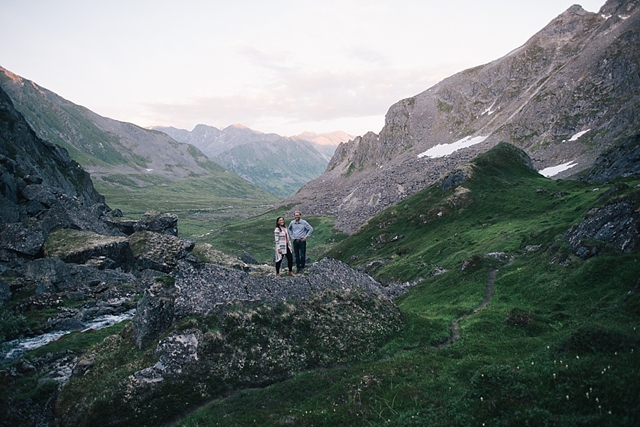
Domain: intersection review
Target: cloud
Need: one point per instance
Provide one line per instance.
(295, 94)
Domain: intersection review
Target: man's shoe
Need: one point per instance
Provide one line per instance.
(291, 274)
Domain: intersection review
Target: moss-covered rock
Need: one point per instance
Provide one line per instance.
(158, 251)
(78, 246)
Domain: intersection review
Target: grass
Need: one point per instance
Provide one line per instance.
(183, 196)
(555, 346)
(232, 235)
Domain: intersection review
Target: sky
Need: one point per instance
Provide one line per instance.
(281, 66)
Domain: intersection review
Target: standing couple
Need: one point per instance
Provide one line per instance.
(298, 231)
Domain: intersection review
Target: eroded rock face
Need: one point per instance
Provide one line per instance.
(155, 313)
(57, 275)
(623, 160)
(615, 224)
(41, 190)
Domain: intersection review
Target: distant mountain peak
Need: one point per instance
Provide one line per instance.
(329, 138)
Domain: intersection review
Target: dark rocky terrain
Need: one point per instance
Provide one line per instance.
(60, 243)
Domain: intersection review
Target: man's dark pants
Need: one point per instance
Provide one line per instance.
(300, 252)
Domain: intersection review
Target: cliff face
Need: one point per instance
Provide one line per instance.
(27, 160)
(41, 189)
(568, 94)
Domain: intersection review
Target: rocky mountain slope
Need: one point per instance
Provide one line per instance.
(278, 164)
(109, 149)
(565, 96)
(41, 189)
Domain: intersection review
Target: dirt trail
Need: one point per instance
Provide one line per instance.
(455, 333)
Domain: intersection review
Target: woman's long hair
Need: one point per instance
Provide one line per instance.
(277, 222)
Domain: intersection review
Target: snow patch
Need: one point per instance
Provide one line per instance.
(554, 170)
(442, 150)
(578, 135)
(489, 111)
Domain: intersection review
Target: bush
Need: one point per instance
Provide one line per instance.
(10, 325)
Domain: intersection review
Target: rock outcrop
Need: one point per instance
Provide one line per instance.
(41, 190)
(615, 224)
(620, 161)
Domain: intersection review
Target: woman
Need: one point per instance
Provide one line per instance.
(283, 246)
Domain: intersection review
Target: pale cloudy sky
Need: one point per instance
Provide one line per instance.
(282, 66)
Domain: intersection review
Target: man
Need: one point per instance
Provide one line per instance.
(299, 230)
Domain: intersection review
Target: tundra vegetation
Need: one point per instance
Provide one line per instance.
(556, 342)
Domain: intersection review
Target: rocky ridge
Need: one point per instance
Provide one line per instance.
(568, 94)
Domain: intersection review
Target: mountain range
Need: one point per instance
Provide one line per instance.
(277, 164)
(493, 296)
(565, 96)
(122, 157)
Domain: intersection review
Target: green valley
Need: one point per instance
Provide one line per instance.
(556, 344)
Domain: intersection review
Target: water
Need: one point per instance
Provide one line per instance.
(15, 349)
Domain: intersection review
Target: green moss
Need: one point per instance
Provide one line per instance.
(443, 107)
(64, 242)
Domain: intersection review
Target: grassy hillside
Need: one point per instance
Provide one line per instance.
(556, 344)
(183, 196)
(136, 169)
(233, 234)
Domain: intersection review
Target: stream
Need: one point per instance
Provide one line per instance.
(17, 348)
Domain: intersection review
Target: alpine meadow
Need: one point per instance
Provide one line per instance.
(475, 263)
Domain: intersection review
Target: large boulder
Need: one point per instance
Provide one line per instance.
(615, 224)
(157, 251)
(77, 246)
(163, 223)
(56, 275)
(155, 312)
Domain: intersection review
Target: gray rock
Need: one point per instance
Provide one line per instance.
(5, 293)
(622, 160)
(248, 259)
(453, 180)
(26, 241)
(10, 211)
(154, 314)
(162, 223)
(43, 194)
(77, 246)
(156, 251)
(615, 224)
(63, 276)
(127, 226)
